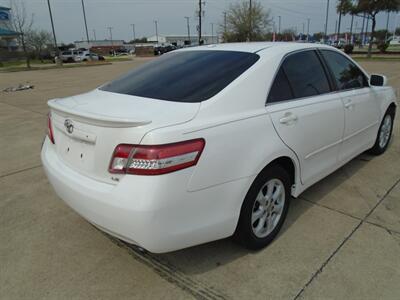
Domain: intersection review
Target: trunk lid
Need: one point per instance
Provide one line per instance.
(87, 127)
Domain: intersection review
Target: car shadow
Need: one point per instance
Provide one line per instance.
(203, 258)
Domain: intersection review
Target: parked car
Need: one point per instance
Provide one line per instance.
(71, 55)
(89, 57)
(163, 48)
(394, 41)
(209, 142)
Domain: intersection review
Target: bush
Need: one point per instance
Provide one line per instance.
(382, 46)
(348, 48)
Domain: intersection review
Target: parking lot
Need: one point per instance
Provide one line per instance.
(341, 239)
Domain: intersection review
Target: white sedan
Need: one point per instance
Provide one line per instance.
(208, 142)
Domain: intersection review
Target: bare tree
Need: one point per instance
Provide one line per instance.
(245, 23)
(37, 41)
(22, 24)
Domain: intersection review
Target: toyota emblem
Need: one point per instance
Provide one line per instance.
(69, 126)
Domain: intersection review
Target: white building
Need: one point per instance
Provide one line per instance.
(181, 39)
(99, 43)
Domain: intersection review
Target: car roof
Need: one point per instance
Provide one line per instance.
(259, 47)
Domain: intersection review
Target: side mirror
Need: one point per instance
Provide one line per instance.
(378, 80)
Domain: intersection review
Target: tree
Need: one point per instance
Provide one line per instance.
(243, 24)
(341, 9)
(287, 35)
(318, 36)
(380, 35)
(37, 41)
(138, 40)
(371, 8)
(21, 24)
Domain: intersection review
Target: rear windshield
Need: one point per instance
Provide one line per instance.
(187, 76)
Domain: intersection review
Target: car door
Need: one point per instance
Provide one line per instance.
(307, 116)
(360, 106)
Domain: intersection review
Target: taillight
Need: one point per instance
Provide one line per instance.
(50, 129)
(155, 159)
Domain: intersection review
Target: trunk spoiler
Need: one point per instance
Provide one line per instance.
(95, 119)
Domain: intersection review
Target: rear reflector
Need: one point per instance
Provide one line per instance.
(155, 159)
(50, 133)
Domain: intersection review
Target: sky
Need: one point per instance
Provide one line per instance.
(119, 14)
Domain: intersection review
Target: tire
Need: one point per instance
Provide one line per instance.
(384, 133)
(249, 231)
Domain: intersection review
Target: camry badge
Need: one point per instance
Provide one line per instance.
(69, 126)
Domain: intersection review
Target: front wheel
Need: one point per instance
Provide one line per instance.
(264, 209)
(384, 134)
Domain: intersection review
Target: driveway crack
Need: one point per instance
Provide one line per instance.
(363, 220)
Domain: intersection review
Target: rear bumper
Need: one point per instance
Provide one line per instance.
(156, 213)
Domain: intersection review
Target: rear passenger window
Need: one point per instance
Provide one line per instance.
(280, 90)
(347, 74)
(301, 75)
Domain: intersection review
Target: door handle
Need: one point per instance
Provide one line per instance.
(349, 104)
(288, 119)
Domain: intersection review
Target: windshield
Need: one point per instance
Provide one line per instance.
(187, 76)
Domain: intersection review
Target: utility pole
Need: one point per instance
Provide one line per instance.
(111, 38)
(94, 34)
(326, 19)
(54, 33)
(387, 26)
(279, 24)
(200, 13)
(225, 22)
(351, 29)
(336, 30)
(133, 32)
(303, 29)
(188, 29)
(308, 28)
(340, 19)
(156, 23)
(84, 18)
(250, 20)
(212, 32)
(87, 32)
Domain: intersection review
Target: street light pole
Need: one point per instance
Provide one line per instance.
(111, 38)
(326, 20)
(133, 32)
(188, 29)
(212, 32)
(308, 27)
(250, 20)
(156, 23)
(279, 24)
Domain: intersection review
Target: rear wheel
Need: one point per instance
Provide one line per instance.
(264, 208)
(384, 134)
